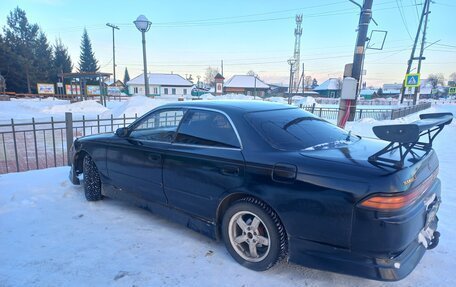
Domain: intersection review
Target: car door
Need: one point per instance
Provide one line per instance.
(135, 161)
(203, 162)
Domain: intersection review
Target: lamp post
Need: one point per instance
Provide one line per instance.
(143, 25)
(291, 62)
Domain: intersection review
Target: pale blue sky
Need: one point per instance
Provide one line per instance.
(188, 36)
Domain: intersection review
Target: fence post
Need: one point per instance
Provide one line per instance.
(69, 134)
(15, 146)
(360, 113)
(313, 108)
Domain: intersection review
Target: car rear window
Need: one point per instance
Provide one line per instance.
(295, 129)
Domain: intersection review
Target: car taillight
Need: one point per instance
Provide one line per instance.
(388, 202)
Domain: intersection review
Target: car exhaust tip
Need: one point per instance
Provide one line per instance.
(435, 240)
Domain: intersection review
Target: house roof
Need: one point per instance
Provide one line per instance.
(219, 76)
(329, 84)
(245, 81)
(161, 79)
(367, 92)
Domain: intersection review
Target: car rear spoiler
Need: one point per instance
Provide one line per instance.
(406, 138)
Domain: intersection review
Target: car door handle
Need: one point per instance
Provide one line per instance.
(232, 171)
(153, 157)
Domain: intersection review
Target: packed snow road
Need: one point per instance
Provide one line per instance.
(50, 236)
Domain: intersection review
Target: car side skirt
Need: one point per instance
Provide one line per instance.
(199, 225)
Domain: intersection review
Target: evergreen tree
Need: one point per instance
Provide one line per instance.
(20, 37)
(314, 83)
(42, 61)
(87, 61)
(61, 62)
(4, 57)
(126, 77)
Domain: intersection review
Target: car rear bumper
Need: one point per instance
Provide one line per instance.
(390, 264)
(330, 258)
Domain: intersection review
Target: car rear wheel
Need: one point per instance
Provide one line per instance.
(92, 182)
(253, 234)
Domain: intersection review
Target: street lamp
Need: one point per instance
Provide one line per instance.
(143, 25)
(291, 62)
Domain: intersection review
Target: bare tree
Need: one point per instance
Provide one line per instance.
(452, 77)
(251, 73)
(436, 79)
(210, 75)
(308, 81)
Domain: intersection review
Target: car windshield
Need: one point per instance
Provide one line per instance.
(295, 129)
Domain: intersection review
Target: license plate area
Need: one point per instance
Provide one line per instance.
(426, 235)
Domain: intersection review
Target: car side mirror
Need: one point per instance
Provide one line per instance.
(122, 132)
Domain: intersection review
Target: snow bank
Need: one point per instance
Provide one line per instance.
(27, 108)
(85, 107)
(236, 97)
(305, 101)
(137, 105)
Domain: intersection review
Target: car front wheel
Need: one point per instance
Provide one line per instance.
(253, 234)
(92, 182)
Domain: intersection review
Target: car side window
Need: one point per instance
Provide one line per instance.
(158, 126)
(209, 128)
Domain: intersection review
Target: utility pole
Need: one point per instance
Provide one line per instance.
(291, 62)
(412, 55)
(302, 79)
(423, 40)
(297, 51)
(358, 59)
(114, 27)
(221, 65)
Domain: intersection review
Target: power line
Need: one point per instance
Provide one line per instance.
(403, 19)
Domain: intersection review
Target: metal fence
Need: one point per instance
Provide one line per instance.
(43, 144)
(377, 114)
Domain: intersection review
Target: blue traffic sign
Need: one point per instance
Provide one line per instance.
(412, 80)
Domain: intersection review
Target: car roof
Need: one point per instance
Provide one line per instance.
(230, 106)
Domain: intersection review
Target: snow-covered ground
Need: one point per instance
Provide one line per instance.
(50, 236)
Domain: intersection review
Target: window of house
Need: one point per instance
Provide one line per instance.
(165, 91)
(185, 91)
(156, 91)
(173, 91)
(207, 128)
(158, 126)
(135, 90)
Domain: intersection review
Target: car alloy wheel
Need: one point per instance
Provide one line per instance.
(249, 236)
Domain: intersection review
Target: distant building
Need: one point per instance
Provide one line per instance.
(394, 86)
(368, 93)
(245, 84)
(160, 85)
(117, 83)
(218, 79)
(329, 88)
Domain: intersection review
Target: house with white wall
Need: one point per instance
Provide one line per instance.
(160, 85)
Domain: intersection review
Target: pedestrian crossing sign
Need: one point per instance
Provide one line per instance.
(452, 91)
(412, 80)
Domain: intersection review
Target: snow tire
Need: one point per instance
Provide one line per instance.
(92, 182)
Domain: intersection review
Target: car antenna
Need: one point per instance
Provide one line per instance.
(348, 136)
